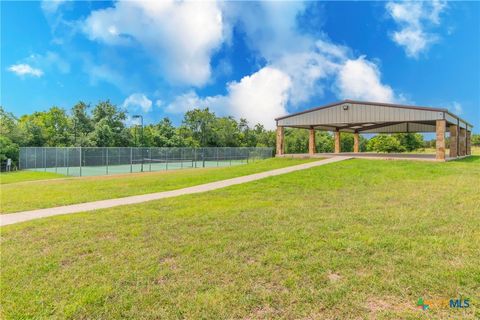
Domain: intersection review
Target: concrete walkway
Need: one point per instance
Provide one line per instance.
(12, 218)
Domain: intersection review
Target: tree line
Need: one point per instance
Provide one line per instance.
(105, 125)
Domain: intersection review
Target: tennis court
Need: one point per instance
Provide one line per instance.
(106, 161)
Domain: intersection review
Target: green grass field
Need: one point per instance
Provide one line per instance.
(351, 240)
(53, 193)
(21, 176)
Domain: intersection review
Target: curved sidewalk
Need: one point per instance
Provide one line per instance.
(17, 217)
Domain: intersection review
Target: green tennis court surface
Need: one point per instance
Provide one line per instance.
(139, 167)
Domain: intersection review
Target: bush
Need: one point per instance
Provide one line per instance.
(8, 149)
(475, 140)
(385, 143)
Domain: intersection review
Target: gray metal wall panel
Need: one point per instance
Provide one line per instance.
(450, 119)
(358, 113)
(402, 127)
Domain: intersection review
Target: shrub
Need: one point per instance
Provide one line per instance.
(384, 143)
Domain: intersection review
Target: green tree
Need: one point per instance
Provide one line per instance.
(226, 132)
(263, 138)
(81, 124)
(247, 137)
(323, 142)
(296, 140)
(198, 127)
(162, 134)
(56, 126)
(384, 143)
(475, 140)
(8, 149)
(109, 126)
(411, 141)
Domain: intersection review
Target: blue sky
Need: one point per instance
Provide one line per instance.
(246, 59)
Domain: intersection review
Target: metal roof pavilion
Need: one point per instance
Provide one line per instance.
(375, 117)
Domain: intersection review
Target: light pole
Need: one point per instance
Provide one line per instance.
(141, 136)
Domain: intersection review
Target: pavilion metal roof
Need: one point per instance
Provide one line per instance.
(371, 117)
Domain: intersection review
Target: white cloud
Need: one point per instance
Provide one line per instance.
(190, 100)
(297, 67)
(310, 62)
(413, 20)
(49, 60)
(456, 108)
(308, 68)
(159, 103)
(360, 79)
(23, 69)
(180, 37)
(259, 98)
(51, 6)
(138, 100)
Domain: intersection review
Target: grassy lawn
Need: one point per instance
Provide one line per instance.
(45, 194)
(351, 240)
(21, 176)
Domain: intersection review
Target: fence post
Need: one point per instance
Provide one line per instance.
(166, 158)
(203, 156)
(216, 154)
(107, 162)
(80, 161)
(56, 159)
(68, 157)
(195, 156)
(44, 159)
(181, 157)
(150, 157)
(131, 164)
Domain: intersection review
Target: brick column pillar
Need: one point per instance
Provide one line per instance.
(337, 141)
(311, 141)
(440, 144)
(469, 143)
(356, 142)
(462, 139)
(280, 141)
(453, 141)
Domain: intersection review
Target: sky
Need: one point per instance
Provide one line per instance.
(253, 60)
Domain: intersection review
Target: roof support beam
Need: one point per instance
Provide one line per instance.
(280, 141)
(453, 141)
(356, 142)
(440, 143)
(337, 142)
(311, 141)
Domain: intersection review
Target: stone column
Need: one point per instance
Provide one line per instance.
(356, 142)
(440, 144)
(453, 141)
(337, 141)
(462, 139)
(311, 142)
(469, 143)
(280, 141)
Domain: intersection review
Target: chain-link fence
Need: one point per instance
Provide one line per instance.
(93, 161)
